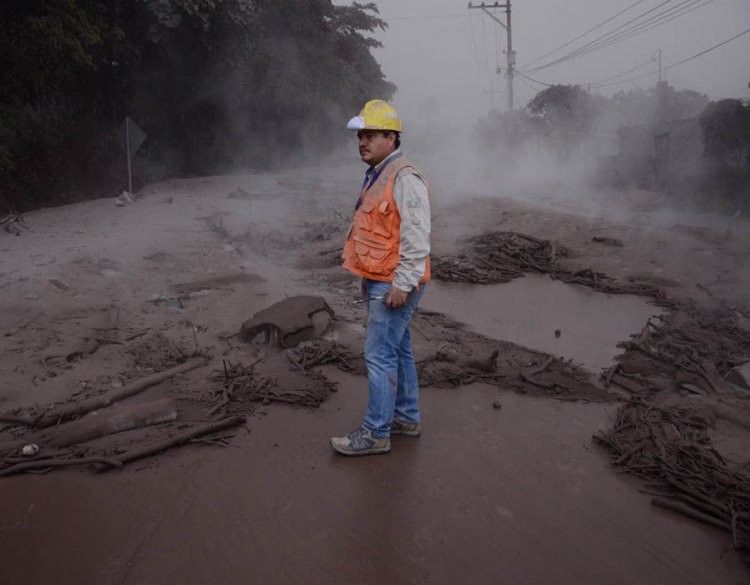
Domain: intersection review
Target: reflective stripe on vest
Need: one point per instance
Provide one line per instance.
(372, 246)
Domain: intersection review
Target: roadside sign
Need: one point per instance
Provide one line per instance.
(130, 133)
(130, 139)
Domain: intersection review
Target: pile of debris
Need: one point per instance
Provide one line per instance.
(163, 408)
(498, 257)
(670, 448)
(322, 352)
(677, 372)
(689, 349)
(62, 435)
(451, 363)
(268, 380)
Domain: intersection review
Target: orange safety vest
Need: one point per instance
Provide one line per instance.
(372, 245)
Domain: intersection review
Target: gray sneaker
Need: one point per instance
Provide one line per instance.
(360, 442)
(399, 427)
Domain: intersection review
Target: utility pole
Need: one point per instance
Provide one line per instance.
(510, 56)
(659, 59)
(662, 134)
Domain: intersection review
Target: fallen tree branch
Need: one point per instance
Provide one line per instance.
(43, 454)
(547, 363)
(98, 425)
(611, 372)
(16, 419)
(75, 410)
(178, 439)
(540, 383)
(686, 510)
(47, 463)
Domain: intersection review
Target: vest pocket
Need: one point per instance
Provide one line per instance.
(367, 216)
(373, 257)
(378, 220)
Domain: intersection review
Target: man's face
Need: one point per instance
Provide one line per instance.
(375, 145)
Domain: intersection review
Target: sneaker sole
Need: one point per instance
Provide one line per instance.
(406, 433)
(373, 451)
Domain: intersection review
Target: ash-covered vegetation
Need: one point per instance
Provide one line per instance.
(215, 84)
(661, 139)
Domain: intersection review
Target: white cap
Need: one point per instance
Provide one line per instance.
(356, 123)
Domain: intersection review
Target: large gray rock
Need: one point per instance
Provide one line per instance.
(289, 322)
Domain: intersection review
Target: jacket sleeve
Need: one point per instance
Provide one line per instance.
(413, 202)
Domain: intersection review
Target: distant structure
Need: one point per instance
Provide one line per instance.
(510, 55)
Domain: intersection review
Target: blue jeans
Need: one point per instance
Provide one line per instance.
(391, 371)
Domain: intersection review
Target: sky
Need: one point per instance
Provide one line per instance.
(441, 51)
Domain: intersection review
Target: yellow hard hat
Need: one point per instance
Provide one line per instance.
(376, 115)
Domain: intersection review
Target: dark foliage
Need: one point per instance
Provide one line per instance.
(725, 126)
(725, 129)
(564, 108)
(215, 85)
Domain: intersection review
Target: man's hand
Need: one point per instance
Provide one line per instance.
(395, 298)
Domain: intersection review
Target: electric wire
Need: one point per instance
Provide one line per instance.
(486, 52)
(428, 17)
(497, 53)
(599, 38)
(656, 20)
(601, 24)
(673, 65)
(522, 74)
(623, 74)
(605, 82)
(628, 32)
(474, 42)
(606, 35)
(609, 39)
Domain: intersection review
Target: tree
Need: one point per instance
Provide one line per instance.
(46, 50)
(564, 113)
(725, 128)
(640, 107)
(565, 108)
(214, 84)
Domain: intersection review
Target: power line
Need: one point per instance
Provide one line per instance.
(497, 53)
(602, 82)
(601, 24)
(604, 36)
(486, 52)
(613, 37)
(474, 42)
(522, 74)
(635, 30)
(624, 73)
(721, 44)
(428, 17)
(673, 65)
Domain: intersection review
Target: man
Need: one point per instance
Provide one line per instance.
(388, 245)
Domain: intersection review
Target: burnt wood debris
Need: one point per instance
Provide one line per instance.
(671, 381)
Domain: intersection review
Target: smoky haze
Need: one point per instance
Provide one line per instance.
(449, 62)
(440, 48)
